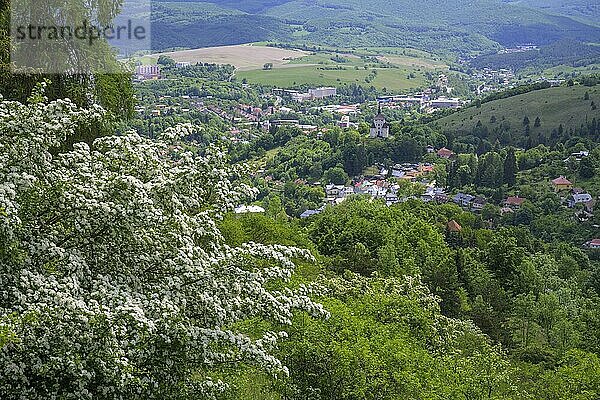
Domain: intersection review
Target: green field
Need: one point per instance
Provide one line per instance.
(554, 106)
(393, 79)
(392, 69)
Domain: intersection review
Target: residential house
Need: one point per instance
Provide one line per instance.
(463, 200)
(578, 198)
(562, 183)
(514, 202)
(344, 122)
(578, 156)
(332, 190)
(309, 213)
(445, 153)
(432, 193)
(398, 173)
(391, 198)
(454, 226)
(442, 198)
(337, 193)
(348, 191)
(478, 203)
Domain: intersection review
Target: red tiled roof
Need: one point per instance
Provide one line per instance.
(445, 152)
(454, 226)
(561, 181)
(514, 201)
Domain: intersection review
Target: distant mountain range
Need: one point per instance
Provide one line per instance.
(441, 26)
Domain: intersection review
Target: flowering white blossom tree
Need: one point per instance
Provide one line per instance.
(115, 282)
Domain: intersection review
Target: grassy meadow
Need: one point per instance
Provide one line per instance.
(392, 79)
(554, 106)
(381, 68)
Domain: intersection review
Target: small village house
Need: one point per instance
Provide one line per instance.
(445, 153)
(514, 202)
(579, 198)
(463, 200)
(454, 226)
(561, 183)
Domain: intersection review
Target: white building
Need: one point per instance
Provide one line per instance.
(344, 122)
(249, 209)
(380, 128)
(322, 92)
(578, 198)
(444, 102)
(147, 72)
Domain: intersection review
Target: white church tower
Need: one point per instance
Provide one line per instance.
(380, 128)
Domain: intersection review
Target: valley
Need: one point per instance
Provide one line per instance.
(305, 200)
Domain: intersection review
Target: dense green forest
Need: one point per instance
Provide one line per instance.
(433, 26)
(576, 8)
(562, 52)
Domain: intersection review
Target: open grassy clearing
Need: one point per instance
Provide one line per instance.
(393, 79)
(243, 57)
(413, 62)
(554, 106)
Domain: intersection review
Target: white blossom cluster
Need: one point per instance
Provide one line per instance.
(115, 282)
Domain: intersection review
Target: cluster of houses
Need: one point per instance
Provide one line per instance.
(252, 113)
(169, 105)
(380, 189)
(519, 49)
(409, 171)
(576, 195)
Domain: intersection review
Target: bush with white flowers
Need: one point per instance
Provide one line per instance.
(115, 282)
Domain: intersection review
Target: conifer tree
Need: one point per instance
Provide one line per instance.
(510, 167)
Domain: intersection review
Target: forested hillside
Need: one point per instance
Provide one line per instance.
(193, 25)
(589, 11)
(566, 51)
(434, 25)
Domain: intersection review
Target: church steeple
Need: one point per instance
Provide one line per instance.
(380, 127)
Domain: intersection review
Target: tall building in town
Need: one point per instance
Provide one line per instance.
(380, 128)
